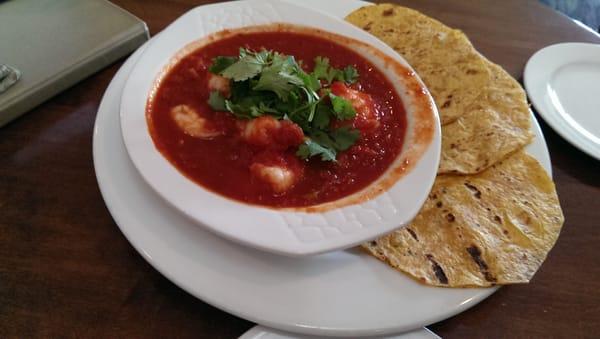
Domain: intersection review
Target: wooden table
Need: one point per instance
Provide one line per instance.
(66, 269)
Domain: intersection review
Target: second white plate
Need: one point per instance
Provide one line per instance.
(563, 83)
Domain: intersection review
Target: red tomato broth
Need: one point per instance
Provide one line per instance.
(222, 164)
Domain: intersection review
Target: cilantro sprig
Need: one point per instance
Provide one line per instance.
(324, 71)
(270, 83)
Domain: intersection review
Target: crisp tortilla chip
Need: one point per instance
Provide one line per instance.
(495, 126)
(483, 110)
(453, 71)
(495, 227)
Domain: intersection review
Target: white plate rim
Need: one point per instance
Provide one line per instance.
(538, 148)
(261, 332)
(536, 81)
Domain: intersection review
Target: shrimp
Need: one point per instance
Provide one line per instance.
(269, 132)
(219, 84)
(366, 119)
(278, 177)
(193, 124)
(279, 170)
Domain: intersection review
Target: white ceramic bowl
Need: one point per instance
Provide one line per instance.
(340, 224)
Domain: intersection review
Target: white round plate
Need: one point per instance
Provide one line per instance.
(261, 332)
(341, 293)
(563, 83)
(283, 231)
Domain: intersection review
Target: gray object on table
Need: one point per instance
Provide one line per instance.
(8, 77)
(56, 43)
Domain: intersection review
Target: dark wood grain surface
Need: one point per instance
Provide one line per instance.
(67, 271)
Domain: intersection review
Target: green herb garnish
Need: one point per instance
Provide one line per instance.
(323, 71)
(270, 83)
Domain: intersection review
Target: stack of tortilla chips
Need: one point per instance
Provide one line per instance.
(493, 214)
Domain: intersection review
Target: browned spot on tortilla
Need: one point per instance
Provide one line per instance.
(489, 277)
(472, 71)
(388, 12)
(475, 253)
(438, 270)
(450, 217)
(476, 191)
(439, 204)
(497, 219)
(412, 233)
(367, 27)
